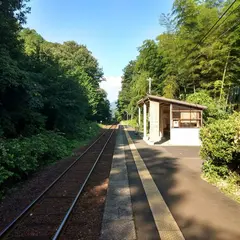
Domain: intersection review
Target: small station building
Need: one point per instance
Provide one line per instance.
(170, 121)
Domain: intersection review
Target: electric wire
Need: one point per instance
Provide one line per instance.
(214, 25)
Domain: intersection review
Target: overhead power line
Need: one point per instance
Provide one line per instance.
(214, 25)
(232, 12)
(229, 29)
(222, 34)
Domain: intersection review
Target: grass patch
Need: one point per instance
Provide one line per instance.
(228, 185)
(133, 123)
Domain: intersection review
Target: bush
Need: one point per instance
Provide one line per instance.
(21, 157)
(87, 130)
(131, 122)
(214, 110)
(221, 146)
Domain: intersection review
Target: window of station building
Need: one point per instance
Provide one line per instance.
(185, 117)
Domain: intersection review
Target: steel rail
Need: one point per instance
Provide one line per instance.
(12, 224)
(64, 221)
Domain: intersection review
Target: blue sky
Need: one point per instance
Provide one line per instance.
(111, 29)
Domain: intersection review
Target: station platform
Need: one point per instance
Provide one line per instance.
(156, 192)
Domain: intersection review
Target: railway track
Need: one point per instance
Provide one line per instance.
(47, 216)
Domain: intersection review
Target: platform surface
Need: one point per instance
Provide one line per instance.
(163, 195)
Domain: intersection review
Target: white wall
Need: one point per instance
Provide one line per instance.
(185, 136)
(154, 122)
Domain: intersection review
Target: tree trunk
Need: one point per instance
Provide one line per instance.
(223, 77)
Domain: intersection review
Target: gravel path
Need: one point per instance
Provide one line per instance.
(86, 221)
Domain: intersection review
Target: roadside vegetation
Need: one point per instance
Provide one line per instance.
(130, 122)
(50, 98)
(190, 62)
(221, 151)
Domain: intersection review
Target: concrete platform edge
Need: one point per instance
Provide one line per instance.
(118, 223)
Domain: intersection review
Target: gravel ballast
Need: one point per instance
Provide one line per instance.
(22, 195)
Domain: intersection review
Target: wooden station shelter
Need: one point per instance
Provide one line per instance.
(169, 120)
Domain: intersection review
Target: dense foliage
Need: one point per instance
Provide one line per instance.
(57, 87)
(221, 145)
(49, 94)
(215, 109)
(20, 157)
(221, 153)
(181, 62)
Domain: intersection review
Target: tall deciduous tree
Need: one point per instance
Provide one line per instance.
(186, 58)
(45, 85)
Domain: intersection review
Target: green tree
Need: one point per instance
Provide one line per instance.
(182, 62)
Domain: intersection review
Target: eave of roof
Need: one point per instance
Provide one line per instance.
(168, 100)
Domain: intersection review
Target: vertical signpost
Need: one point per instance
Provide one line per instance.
(139, 118)
(145, 120)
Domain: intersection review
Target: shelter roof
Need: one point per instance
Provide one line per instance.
(169, 100)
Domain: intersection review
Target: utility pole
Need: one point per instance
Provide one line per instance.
(127, 116)
(149, 85)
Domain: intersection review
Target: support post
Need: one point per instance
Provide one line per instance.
(144, 120)
(161, 133)
(139, 117)
(154, 135)
(171, 121)
(170, 117)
